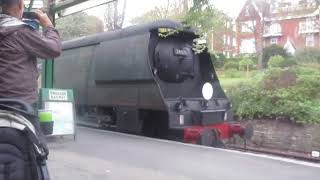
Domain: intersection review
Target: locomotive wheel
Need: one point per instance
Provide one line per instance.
(248, 132)
(210, 137)
(207, 137)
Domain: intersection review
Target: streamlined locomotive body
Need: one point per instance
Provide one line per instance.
(140, 80)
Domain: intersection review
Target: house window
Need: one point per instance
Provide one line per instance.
(274, 41)
(234, 28)
(275, 28)
(246, 11)
(224, 39)
(234, 42)
(274, 7)
(302, 27)
(247, 46)
(309, 25)
(229, 40)
(228, 24)
(248, 26)
(228, 55)
(310, 40)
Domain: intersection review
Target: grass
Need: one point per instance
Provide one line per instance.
(229, 79)
(229, 82)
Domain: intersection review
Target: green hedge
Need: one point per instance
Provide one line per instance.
(296, 98)
(308, 55)
(280, 62)
(245, 63)
(273, 50)
(231, 65)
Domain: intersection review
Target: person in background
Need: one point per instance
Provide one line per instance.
(20, 46)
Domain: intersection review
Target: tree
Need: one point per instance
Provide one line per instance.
(169, 9)
(204, 17)
(115, 15)
(246, 63)
(78, 25)
(308, 55)
(155, 14)
(272, 50)
(257, 30)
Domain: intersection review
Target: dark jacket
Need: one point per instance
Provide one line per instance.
(20, 46)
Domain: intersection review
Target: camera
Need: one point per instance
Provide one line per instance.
(31, 18)
(30, 15)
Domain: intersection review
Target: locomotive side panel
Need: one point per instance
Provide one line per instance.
(121, 74)
(72, 71)
(122, 60)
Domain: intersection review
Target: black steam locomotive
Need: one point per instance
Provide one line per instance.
(148, 80)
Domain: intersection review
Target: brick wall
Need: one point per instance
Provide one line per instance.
(284, 135)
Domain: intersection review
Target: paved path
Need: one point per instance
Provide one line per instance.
(100, 155)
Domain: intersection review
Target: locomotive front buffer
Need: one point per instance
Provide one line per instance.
(204, 122)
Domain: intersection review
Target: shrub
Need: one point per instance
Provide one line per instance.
(231, 65)
(273, 50)
(298, 101)
(290, 62)
(253, 57)
(233, 73)
(276, 61)
(308, 55)
(278, 78)
(280, 62)
(218, 60)
(246, 64)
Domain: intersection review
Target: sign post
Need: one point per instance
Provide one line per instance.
(57, 117)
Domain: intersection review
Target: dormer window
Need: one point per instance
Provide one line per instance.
(310, 40)
(308, 26)
(246, 11)
(248, 26)
(275, 28)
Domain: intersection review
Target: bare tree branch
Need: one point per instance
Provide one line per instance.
(115, 15)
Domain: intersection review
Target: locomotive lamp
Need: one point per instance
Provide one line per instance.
(207, 91)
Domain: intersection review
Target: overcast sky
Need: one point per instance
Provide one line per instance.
(138, 7)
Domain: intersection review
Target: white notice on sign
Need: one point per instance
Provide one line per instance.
(58, 95)
(63, 117)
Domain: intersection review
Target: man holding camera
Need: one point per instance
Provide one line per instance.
(20, 46)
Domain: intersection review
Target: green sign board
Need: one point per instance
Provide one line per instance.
(59, 106)
(57, 95)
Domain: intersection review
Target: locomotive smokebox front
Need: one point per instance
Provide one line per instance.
(195, 102)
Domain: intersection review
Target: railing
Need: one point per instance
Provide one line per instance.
(295, 8)
(268, 33)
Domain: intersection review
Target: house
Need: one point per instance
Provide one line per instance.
(225, 41)
(293, 24)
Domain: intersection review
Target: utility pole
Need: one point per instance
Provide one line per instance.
(48, 65)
